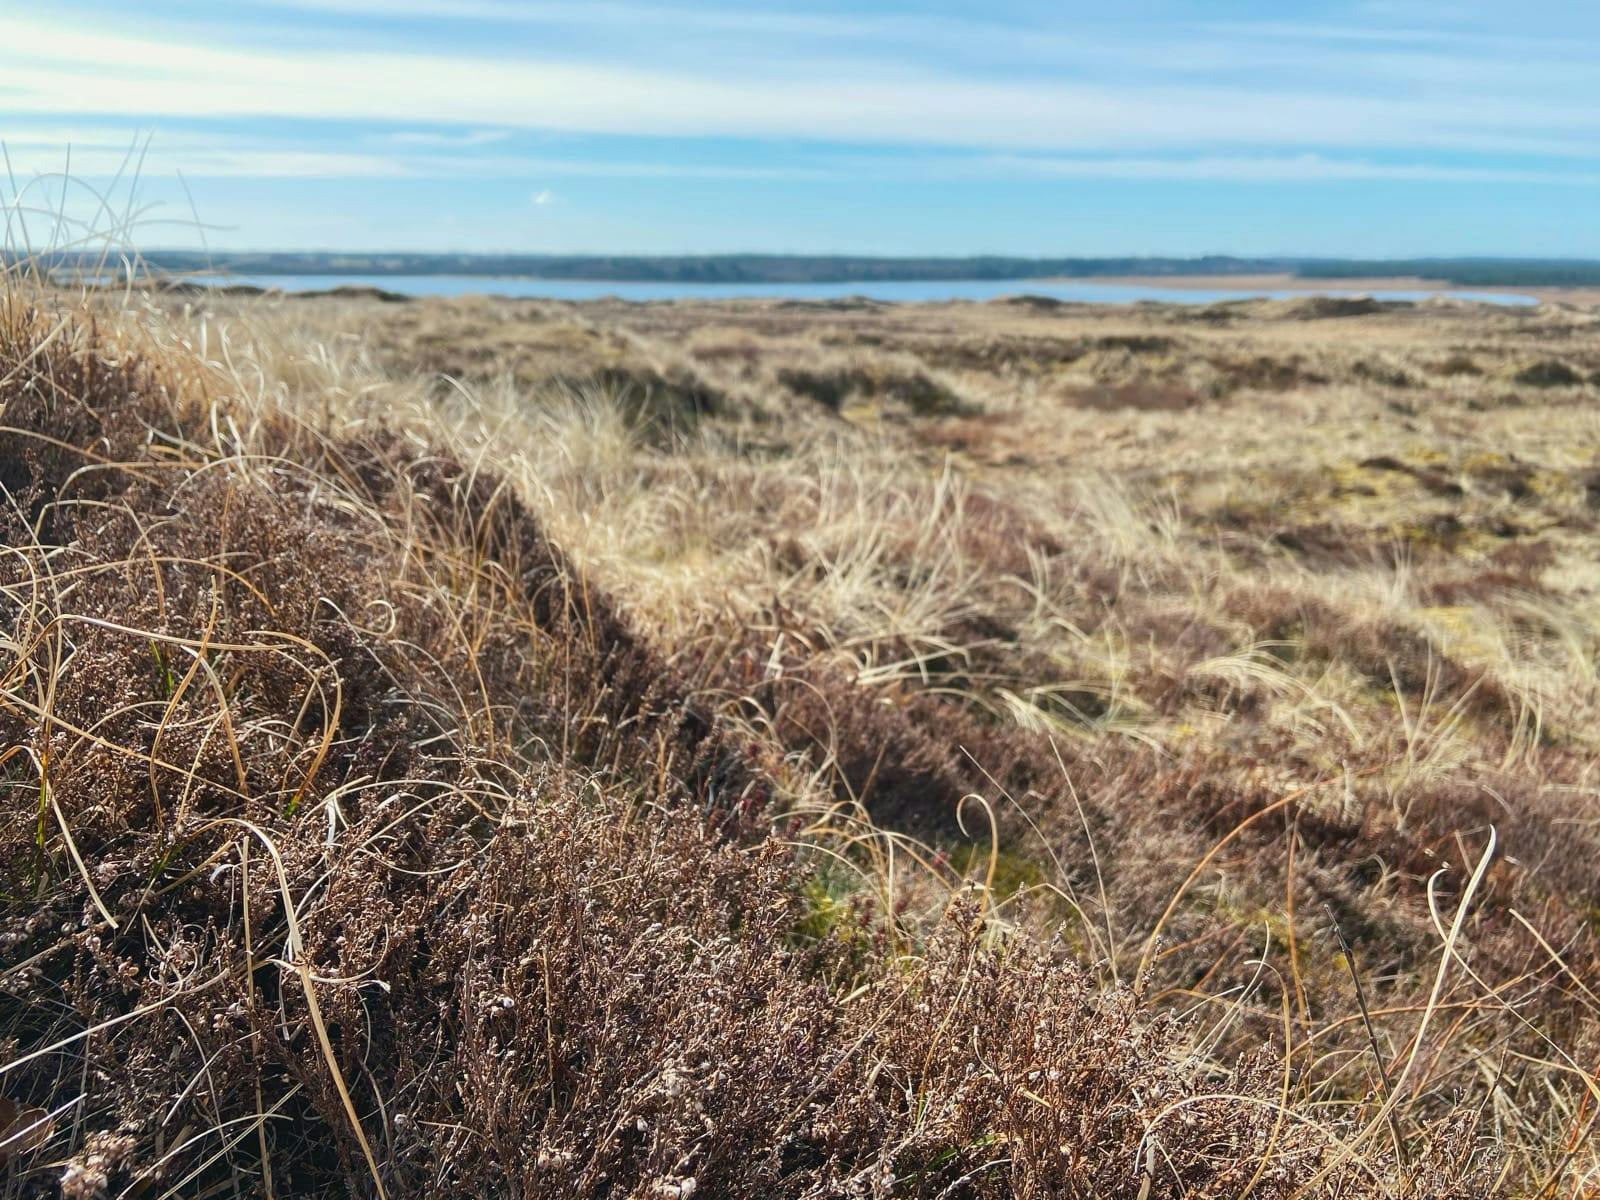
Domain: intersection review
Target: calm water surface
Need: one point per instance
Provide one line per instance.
(1082, 291)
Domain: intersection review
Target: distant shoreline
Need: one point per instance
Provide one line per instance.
(1286, 282)
(1579, 296)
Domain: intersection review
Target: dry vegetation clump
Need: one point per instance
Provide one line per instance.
(913, 388)
(671, 758)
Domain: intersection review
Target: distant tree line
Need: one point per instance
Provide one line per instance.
(805, 268)
(712, 268)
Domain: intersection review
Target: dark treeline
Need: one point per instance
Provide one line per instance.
(785, 268)
(713, 268)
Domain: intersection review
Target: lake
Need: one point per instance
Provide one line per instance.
(1084, 291)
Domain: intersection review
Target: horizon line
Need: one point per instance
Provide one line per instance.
(796, 255)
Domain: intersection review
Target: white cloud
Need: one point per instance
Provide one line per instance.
(543, 196)
(476, 137)
(59, 69)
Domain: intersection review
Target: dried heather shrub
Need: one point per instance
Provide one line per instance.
(349, 839)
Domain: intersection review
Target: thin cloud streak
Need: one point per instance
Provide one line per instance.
(476, 137)
(103, 152)
(105, 159)
(599, 13)
(1072, 36)
(1295, 169)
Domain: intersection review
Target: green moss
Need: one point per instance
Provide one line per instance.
(1012, 872)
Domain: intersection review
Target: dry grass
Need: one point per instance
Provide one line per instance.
(533, 749)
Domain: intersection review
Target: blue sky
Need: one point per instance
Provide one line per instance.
(1367, 127)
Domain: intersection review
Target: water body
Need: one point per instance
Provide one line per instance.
(1080, 290)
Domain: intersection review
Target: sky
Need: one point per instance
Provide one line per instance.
(1372, 128)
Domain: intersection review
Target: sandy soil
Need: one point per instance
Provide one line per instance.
(1584, 297)
(1293, 283)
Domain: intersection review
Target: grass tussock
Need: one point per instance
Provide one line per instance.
(639, 768)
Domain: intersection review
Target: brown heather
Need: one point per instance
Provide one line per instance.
(492, 749)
